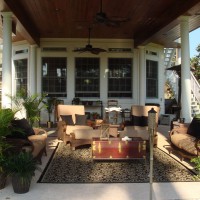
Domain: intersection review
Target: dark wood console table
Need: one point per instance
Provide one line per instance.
(92, 104)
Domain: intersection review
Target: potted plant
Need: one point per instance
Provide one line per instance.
(76, 101)
(50, 103)
(6, 117)
(95, 115)
(21, 168)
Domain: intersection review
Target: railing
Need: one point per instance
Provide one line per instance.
(195, 87)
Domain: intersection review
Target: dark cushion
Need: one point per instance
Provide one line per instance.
(139, 120)
(194, 128)
(68, 119)
(81, 119)
(22, 129)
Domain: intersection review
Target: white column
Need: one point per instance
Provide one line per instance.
(185, 70)
(70, 78)
(7, 60)
(142, 76)
(32, 70)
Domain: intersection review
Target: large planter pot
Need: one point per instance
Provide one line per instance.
(20, 185)
(3, 178)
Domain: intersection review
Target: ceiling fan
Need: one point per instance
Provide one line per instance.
(102, 18)
(88, 47)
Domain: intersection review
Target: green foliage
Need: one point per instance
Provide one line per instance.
(196, 161)
(3, 163)
(195, 63)
(197, 116)
(22, 165)
(33, 104)
(6, 128)
(95, 115)
(6, 116)
(76, 100)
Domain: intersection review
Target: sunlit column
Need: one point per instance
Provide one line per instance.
(142, 76)
(32, 70)
(7, 60)
(185, 70)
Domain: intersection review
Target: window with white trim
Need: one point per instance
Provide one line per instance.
(21, 74)
(87, 77)
(54, 76)
(120, 77)
(151, 79)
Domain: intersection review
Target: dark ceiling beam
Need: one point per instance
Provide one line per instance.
(29, 32)
(142, 38)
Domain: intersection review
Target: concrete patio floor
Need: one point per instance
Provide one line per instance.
(128, 191)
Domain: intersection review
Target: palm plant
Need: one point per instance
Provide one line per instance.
(6, 128)
(33, 104)
(50, 103)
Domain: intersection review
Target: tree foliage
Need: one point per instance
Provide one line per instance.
(195, 63)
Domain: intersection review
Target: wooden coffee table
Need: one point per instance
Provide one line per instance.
(115, 148)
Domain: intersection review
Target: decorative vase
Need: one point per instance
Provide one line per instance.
(20, 185)
(49, 124)
(3, 178)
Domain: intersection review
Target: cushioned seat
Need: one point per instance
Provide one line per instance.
(131, 132)
(185, 142)
(138, 127)
(71, 117)
(39, 142)
(185, 138)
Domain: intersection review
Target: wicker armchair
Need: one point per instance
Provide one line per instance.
(186, 145)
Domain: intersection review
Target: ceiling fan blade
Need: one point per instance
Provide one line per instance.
(102, 18)
(97, 50)
(88, 47)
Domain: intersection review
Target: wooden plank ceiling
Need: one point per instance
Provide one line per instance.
(149, 20)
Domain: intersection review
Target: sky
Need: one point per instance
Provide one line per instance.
(194, 42)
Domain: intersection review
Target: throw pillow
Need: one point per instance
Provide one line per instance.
(22, 128)
(194, 128)
(68, 119)
(81, 119)
(139, 120)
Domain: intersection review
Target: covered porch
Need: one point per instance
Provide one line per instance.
(60, 28)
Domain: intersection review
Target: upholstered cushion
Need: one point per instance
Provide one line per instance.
(81, 119)
(185, 142)
(86, 133)
(68, 119)
(23, 128)
(139, 121)
(194, 128)
(131, 132)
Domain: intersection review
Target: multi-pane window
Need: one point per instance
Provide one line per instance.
(151, 79)
(20, 74)
(87, 77)
(54, 74)
(120, 77)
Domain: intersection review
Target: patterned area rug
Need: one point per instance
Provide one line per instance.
(67, 166)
